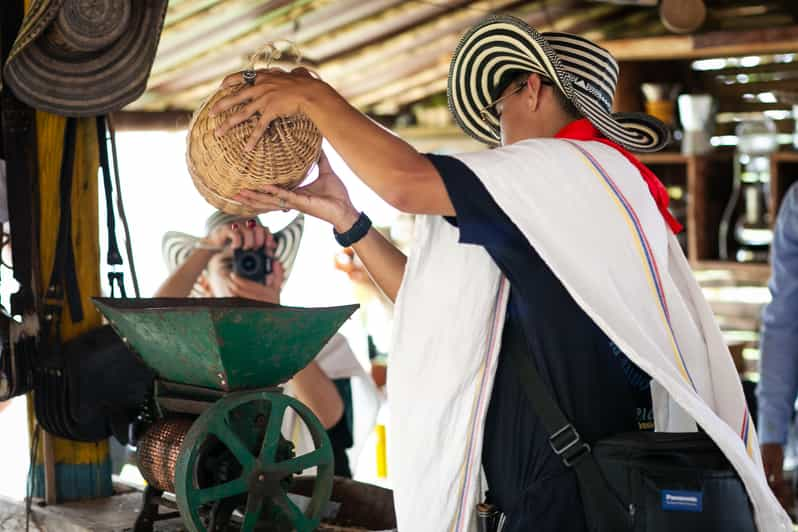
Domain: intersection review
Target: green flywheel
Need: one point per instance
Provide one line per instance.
(234, 461)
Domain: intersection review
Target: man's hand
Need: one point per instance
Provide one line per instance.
(269, 292)
(275, 93)
(773, 461)
(325, 198)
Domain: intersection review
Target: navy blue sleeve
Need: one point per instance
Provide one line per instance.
(478, 217)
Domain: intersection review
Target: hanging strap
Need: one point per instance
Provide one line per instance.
(566, 443)
(114, 258)
(120, 206)
(19, 149)
(63, 279)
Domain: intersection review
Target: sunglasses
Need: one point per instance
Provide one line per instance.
(485, 112)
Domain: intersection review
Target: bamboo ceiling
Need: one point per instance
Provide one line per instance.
(384, 55)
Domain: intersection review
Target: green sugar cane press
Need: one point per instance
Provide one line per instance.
(212, 434)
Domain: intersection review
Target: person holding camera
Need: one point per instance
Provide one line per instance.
(241, 258)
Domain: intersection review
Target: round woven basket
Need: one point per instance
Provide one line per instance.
(221, 167)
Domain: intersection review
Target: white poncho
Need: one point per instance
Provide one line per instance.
(590, 216)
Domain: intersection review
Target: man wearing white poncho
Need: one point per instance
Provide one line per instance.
(557, 245)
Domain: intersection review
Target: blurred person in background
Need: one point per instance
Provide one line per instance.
(203, 267)
(778, 384)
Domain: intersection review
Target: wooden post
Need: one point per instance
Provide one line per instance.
(82, 470)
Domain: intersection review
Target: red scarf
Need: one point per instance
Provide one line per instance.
(582, 129)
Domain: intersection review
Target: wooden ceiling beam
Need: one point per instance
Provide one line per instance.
(180, 10)
(216, 63)
(438, 28)
(435, 73)
(147, 121)
(392, 104)
(387, 24)
(715, 44)
(218, 32)
(435, 38)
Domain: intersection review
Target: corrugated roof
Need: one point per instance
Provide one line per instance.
(386, 54)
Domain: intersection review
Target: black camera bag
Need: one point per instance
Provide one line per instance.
(643, 481)
(92, 386)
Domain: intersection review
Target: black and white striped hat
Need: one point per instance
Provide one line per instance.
(177, 246)
(586, 73)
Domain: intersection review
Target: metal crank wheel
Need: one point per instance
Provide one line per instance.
(234, 459)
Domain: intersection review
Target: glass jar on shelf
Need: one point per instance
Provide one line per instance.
(745, 230)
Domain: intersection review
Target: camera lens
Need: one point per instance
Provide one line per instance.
(249, 264)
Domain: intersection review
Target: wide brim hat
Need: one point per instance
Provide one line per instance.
(586, 73)
(76, 58)
(177, 246)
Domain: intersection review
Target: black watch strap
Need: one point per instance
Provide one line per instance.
(355, 233)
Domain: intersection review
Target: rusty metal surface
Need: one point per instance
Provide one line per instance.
(158, 450)
(224, 344)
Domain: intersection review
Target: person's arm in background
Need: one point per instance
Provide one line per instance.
(182, 280)
(327, 199)
(317, 391)
(778, 384)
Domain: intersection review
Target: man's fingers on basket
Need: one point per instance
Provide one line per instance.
(239, 117)
(263, 123)
(259, 200)
(302, 71)
(231, 100)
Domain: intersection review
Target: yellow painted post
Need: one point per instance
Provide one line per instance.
(82, 470)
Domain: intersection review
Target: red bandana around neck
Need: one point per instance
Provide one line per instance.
(582, 129)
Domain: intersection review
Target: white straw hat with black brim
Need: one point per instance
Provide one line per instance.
(585, 73)
(177, 246)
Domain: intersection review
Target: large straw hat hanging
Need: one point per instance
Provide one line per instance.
(221, 167)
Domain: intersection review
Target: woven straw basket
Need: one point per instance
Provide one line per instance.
(221, 167)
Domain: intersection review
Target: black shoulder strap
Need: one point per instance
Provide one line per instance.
(114, 257)
(63, 279)
(569, 446)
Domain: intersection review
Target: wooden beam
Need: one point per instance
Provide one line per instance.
(221, 29)
(434, 74)
(389, 23)
(367, 57)
(217, 62)
(153, 121)
(707, 45)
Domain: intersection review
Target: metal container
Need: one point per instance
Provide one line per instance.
(225, 344)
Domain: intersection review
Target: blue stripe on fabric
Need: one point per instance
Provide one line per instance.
(646, 251)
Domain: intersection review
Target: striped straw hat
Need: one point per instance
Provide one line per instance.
(502, 45)
(177, 246)
(84, 58)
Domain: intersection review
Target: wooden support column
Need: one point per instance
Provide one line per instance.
(82, 470)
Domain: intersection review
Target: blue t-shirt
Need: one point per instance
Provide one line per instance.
(597, 387)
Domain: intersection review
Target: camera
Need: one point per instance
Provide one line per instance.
(252, 264)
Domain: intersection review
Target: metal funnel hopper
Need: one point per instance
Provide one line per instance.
(225, 344)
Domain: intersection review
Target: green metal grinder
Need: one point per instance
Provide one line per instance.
(212, 435)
